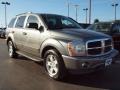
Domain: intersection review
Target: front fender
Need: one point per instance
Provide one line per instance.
(53, 43)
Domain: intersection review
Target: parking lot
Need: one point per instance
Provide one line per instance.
(24, 74)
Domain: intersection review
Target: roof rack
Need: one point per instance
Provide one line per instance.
(24, 13)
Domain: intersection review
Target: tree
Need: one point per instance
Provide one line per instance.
(96, 20)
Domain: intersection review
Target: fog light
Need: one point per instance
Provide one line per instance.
(85, 65)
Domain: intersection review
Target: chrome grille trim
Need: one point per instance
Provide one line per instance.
(103, 47)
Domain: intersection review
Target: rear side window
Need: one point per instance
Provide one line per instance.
(20, 22)
(11, 24)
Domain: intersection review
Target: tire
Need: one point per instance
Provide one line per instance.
(11, 50)
(54, 65)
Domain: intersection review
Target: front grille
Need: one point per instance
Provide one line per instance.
(108, 42)
(94, 44)
(98, 47)
(94, 51)
(107, 49)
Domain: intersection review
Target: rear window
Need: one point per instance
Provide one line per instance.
(11, 24)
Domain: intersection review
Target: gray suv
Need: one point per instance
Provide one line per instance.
(60, 43)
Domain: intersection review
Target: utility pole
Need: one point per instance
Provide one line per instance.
(76, 7)
(68, 7)
(5, 3)
(89, 11)
(86, 9)
(115, 7)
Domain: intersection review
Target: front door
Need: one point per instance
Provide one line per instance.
(33, 41)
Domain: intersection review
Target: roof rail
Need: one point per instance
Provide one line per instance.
(24, 13)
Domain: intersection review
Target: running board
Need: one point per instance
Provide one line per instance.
(34, 59)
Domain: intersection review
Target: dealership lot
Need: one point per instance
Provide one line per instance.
(24, 74)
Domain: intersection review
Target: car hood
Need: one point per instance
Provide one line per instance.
(72, 34)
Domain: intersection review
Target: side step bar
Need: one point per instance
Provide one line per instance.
(34, 59)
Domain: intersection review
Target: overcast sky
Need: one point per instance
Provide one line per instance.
(101, 9)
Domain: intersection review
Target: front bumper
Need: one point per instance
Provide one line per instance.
(87, 64)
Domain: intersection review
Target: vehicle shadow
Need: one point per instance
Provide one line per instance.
(108, 79)
(23, 58)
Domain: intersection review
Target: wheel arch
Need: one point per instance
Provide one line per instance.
(48, 48)
(10, 37)
(52, 44)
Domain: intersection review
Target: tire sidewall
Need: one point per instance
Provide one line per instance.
(13, 52)
(58, 75)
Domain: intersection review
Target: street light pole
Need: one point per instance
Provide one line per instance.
(115, 6)
(86, 9)
(89, 11)
(5, 3)
(76, 7)
(68, 8)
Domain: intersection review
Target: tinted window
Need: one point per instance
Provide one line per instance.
(32, 19)
(59, 22)
(66, 22)
(12, 23)
(20, 22)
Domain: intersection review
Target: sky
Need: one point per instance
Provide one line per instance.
(101, 9)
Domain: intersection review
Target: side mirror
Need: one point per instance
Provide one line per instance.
(41, 28)
(32, 25)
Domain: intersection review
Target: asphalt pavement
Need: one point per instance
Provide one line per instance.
(25, 74)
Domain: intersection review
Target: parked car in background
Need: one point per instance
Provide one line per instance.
(111, 28)
(84, 25)
(60, 43)
(2, 32)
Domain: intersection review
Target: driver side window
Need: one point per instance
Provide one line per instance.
(32, 19)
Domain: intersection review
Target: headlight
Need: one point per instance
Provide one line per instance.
(76, 48)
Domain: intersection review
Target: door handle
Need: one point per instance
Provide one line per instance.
(24, 33)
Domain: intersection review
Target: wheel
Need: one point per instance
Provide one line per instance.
(11, 50)
(1, 35)
(54, 65)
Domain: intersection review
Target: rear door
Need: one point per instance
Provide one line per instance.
(19, 34)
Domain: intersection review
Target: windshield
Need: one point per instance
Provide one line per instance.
(59, 22)
(103, 27)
